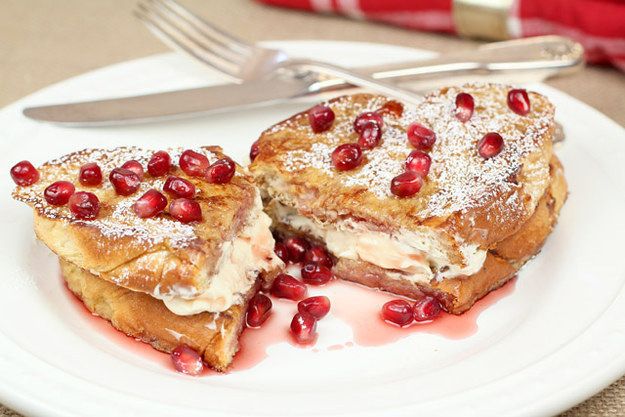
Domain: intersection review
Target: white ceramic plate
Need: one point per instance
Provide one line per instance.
(556, 340)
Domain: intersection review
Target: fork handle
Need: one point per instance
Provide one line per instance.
(354, 78)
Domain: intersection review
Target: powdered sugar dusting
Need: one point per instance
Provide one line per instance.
(459, 178)
(117, 218)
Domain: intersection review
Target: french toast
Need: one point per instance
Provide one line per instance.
(215, 336)
(164, 274)
(188, 265)
(475, 220)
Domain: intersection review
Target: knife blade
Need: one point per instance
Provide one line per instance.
(518, 60)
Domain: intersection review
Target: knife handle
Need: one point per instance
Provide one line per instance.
(516, 61)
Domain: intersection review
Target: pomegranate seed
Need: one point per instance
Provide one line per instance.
(24, 173)
(391, 107)
(316, 274)
(135, 167)
(297, 247)
(427, 308)
(464, 107)
(282, 252)
(321, 118)
(90, 174)
(221, 171)
(193, 163)
(187, 360)
(419, 162)
(347, 156)
(398, 312)
(490, 145)
(179, 187)
(420, 136)
(304, 327)
(124, 181)
(58, 193)
(318, 255)
(317, 306)
(370, 136)
(285, 286)
(150, 204)
(258, 310)
(159, 164)
(254, 151)
(519, 101)
(185, 210)
(406, 184)
(365, 118)
(84, 205)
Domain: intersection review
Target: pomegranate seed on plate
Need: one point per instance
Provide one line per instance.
(419, 162)
(420, 136)
(320, 118)
(304, 327)
(135, 167)
(519, 101)
(370, 136)
(464, 107)
(282, 252)
(187, 360)
(221, 171)
(347, 156)
(406, 184)
(24, 173)
(297, 247)
(285, 286)
(316, 274)
(185, 210)
(490, 145)
(124, 181)
(150, 204)
(258, 310)
(398, 312)
(193, 163)
(317, 306)
(426, 308)
(159, 164)
(90, 174)
(59, 192)
(318, 255)
(368, 117)
(84, 205)
(179, 187)
(254, 151)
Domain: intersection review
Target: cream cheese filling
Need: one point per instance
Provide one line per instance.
(243, 257)
(420, 255)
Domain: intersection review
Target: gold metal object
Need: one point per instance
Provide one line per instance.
(486, 19)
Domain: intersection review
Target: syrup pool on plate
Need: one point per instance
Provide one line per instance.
(355, 305)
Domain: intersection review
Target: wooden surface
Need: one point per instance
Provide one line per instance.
(44, 42)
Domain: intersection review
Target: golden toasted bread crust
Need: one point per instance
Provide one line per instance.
(502, 261)
(159, 256)
(470, 199)
(213, 335)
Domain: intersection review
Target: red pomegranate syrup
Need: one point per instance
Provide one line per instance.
(356, 305)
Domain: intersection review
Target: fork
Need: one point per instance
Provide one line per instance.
(240, 60)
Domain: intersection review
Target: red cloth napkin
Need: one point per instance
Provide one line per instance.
(599, 25)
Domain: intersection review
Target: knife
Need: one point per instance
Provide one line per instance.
(523, 60)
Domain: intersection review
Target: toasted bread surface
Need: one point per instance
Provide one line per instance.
(502, 261)
(213, 335)
(469, 198)
(160, 255)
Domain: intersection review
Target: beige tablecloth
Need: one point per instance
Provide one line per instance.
(43, 42)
